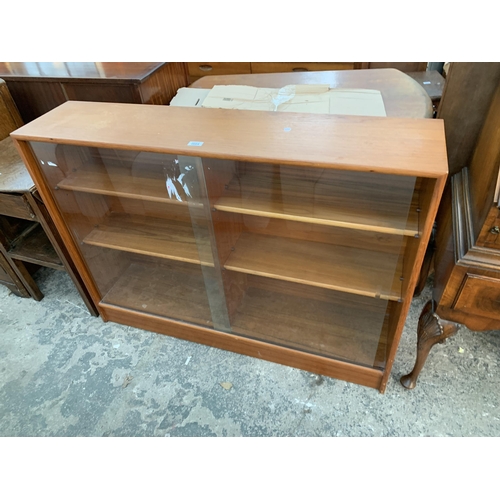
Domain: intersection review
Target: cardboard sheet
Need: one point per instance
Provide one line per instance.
(291, 98)
(191, 98)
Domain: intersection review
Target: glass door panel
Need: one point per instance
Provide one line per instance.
(142, 225)
(307, 258)
(312, 258)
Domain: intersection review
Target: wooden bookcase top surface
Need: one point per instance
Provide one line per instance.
(385, 145)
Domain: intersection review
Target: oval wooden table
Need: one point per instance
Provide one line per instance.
(403, 96)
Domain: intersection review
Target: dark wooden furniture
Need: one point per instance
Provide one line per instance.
(290, 237)
(10, 279)
(200, 69)
(467, 94)
(9, 121)
(466, 98)
(403, 96)
(467, 256)
(40, 87)
(432, 82)
(28, 238)
(401, 66)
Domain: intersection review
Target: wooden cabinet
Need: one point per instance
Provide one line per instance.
(28, 239)
(293, 238)
(199, 69)
(467, 255)
(468, 249)
(38, 87)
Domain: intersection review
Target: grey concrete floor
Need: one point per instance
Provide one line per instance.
(66, 373)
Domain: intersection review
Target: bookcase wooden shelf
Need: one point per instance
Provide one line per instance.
(269, 314)
(142, 287)
(113, 181)
(346, 269)
(334, 198)
(148, 236)
(293, 238)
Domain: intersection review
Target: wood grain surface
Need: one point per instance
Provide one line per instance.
(34, 246)
(332, 198)
(358, 271)
(115, 72)
(148, 236)
(385, 145)
(10, 117)
(337, 326)
(370, 377)
(117, 181)
(163, 289)
(403, 96)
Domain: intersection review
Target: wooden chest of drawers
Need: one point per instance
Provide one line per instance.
(199, 69)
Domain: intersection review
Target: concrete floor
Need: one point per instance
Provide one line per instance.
(66, 373)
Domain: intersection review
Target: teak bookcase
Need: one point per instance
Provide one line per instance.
(295, 238)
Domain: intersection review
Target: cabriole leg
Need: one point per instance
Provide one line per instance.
(431, 330)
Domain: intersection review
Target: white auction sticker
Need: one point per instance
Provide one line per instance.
(195, 143)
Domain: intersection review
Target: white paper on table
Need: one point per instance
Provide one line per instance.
(188, 97)
(363, 102)
(291, 98)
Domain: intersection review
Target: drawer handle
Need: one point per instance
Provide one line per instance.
(495, 230)
(205, 67)
(300, 69)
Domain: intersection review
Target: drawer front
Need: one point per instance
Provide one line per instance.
(285, 67)
(199, 69)
(479, 295)
(15, 205)
(489, 236)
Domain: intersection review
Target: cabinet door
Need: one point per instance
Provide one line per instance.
(312, 259)
(142, 225)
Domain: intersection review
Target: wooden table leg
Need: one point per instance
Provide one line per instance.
(27, 280)
(431, 330)
(16, 286)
